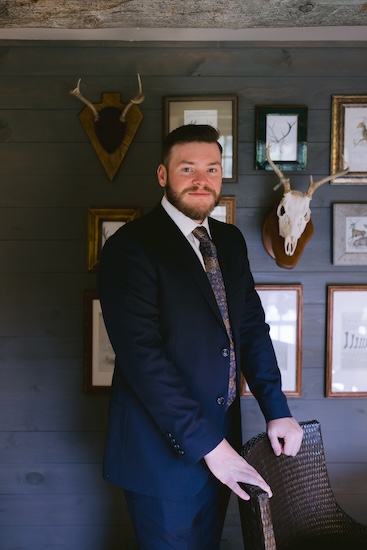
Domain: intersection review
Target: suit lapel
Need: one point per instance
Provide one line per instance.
(180, 251)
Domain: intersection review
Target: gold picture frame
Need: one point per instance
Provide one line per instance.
(225, 211)
(349, 138)
(102, 223)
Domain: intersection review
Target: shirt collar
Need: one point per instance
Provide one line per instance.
(184, 223)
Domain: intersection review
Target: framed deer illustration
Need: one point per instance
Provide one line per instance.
(350, 234)
(349, 138)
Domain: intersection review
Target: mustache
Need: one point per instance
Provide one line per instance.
(196, 188)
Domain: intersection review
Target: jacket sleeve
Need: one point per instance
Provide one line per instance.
(258, 360)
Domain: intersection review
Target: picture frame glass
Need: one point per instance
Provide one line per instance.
(346, 374)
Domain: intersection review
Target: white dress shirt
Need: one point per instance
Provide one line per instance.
(186, 226)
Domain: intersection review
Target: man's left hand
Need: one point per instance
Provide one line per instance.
(285, 435)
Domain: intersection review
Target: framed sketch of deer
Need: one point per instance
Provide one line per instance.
(349, 138)
(285, 130)
(350, 234)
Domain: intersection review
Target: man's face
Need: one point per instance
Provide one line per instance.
(194, 179)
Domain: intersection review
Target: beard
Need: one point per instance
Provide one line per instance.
(195, 212)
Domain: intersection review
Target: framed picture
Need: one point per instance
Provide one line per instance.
(99, 357)
(102, 223)
(285, 130)
(346, 366)
(350, 234)
(219, 111)
(283, 313)
(225, 211)
(349, 138)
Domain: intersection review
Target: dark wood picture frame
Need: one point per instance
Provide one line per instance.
(220, 111)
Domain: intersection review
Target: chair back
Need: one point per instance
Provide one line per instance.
(303, 506)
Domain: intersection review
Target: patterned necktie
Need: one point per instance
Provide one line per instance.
(212, 268)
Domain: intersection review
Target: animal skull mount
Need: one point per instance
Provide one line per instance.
(288, 227)
(111, 125)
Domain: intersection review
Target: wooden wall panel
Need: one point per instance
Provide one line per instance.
(51, 434)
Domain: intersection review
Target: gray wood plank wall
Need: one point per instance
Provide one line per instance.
(51, 434)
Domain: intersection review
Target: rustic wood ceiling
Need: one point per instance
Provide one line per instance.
(208, 14)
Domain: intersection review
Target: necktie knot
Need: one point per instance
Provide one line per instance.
(201, 234)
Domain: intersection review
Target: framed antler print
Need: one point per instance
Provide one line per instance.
(285, 130)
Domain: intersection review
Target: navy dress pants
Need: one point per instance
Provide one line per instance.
(194, 524)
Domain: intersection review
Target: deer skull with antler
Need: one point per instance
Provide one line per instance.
(111, 125)
(294, 214)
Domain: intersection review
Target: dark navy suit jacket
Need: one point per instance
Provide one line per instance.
(170, 382)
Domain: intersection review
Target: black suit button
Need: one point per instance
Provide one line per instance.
(225, 352)
(221, 400)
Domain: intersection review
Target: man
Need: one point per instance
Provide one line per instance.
(174, 423)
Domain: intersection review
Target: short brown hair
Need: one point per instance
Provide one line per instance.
(187, 134)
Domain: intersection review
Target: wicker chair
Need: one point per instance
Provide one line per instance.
(302, 512)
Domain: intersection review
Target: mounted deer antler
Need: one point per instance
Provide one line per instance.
(111, 125)
(135, 101)
(294, 219)
(76, 93)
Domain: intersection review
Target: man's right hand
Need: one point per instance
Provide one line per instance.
(230, 468)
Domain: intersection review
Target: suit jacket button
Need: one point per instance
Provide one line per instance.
(225, 352)
(221, 400)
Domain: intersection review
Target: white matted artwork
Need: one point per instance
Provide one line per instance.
(283, 312)
(350, 234)
(346, 364)
(99, 357)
